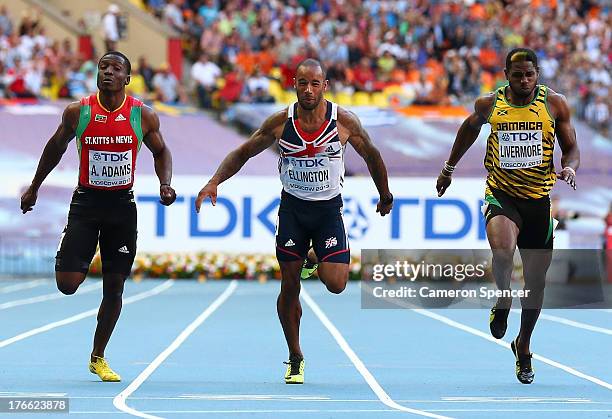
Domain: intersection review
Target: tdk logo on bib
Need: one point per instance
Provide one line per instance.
(112, 157)
(307, 163)
(521, 136)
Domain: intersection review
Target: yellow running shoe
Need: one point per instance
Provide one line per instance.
(104, 371)
(308, 269)
(295, 371)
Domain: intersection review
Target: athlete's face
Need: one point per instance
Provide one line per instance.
(310, 84)
(522, 77)
(112, 73)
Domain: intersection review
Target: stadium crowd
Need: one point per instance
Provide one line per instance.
(415, 51)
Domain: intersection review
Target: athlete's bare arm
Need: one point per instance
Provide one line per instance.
(566, 134)
(261, 139)
(162, 158)
(52, 154)
(361, 142)
(466, 136)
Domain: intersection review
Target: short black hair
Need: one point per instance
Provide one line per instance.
(119, 54)
(521, 54)
(311, 62)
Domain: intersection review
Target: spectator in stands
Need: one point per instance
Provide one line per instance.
(166, 85)
(3, 84)
(147, 72)
(385, 66)
(231, 91)
(90, 69)
(209, 11)
(138, 87)
(599, 74)
(212, 40)
(15, 79)
(156, 7)
(194, 27)
(258, 88)
(598, 114)
(246, 59)
(340, 79)
(34, 76)
(110, 27)
(6, 25)
(205, 73)
(173, 15)
(423, 90)
(363, 76)
(77, 85)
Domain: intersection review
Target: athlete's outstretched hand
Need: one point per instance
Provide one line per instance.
(569, 176)
(385, 203)
(28, 199)
(167, 195)
(208, 191)
(443, 183)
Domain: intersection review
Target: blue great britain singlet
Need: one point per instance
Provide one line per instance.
(311, 165)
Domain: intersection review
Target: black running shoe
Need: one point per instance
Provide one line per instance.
(498, 322)
(524, 370)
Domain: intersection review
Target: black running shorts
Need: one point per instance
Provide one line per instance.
(532, 216)
(300, 222)
(104, 217)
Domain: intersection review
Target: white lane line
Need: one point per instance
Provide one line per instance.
(253, 397)
(514, 399)
(94, 311)
(359, 365)
(572, 323)
(120, 400)
(270, 411)
(48, 297)
(231, 412)
(443, 400)
(25, 286)
(483, 335)
(521, 410)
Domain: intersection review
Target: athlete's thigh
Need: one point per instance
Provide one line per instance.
(79, 240)
(329, 238)
(537, 231)
(292, 239)
(503, 221)
(118, 236)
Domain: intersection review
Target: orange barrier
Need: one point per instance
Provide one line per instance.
(434, 111)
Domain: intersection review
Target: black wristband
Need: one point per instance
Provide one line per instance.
(164, 184)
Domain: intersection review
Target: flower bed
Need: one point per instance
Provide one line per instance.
(210, 265)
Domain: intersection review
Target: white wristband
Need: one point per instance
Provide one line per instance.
(448, 168)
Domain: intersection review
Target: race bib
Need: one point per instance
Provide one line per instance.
(308, 174)
(520, 149)
(108, 169)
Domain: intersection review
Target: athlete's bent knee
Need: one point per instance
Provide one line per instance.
(336, 287)
(67, 288)
(68, 282)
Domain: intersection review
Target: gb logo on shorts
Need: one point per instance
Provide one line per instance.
(331, 242)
